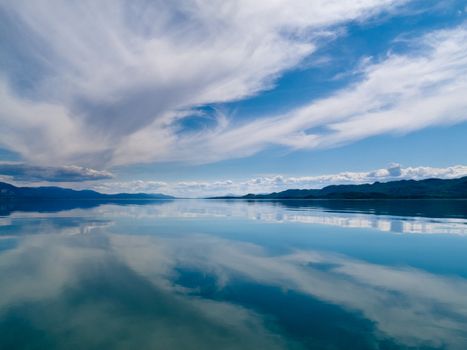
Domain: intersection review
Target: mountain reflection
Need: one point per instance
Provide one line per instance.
(185, 275)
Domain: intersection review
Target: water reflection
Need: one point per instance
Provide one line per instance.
(228, 275)
(366, 217)
(75, 293)
(415, 307)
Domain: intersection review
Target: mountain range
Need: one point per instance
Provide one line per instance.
(8, 191)
(402, 189)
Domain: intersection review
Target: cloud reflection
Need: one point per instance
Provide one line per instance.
(414, 307)
(111, 305)
(129, 284)
(277, 213)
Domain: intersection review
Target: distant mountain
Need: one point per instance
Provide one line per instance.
(8, 191)
(403, 189)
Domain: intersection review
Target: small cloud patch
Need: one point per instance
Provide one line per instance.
(67, 173)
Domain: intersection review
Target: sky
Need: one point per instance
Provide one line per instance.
(198, 98)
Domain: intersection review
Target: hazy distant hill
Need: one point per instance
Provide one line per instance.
(13, 192)
(403, 189)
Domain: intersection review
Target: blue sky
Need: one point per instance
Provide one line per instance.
(198, 98)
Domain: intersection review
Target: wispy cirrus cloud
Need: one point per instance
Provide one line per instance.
(397, 95)
(103, 83)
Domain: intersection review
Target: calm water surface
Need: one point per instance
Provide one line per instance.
(191, 274)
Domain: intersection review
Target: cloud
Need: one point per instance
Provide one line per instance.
(265, 184)
(399, 94)
(34, 173)
(106, 83)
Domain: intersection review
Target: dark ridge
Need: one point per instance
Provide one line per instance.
(403, 189)
(8, 192)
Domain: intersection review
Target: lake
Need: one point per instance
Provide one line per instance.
(213, 274)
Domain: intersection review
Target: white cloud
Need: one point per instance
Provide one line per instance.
(397, 95)
(265, 184)
(69, 173)
(103, 82)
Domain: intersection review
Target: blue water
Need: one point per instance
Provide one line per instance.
(212, 274)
